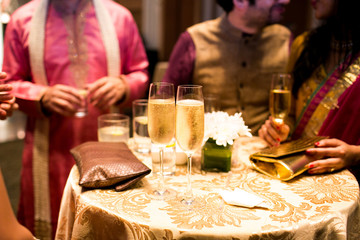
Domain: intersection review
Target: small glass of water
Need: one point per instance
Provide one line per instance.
(113, 127)
(82, 110)
(142, 141)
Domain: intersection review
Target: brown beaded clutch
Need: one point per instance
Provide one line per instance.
(286, 161)
(106, 164)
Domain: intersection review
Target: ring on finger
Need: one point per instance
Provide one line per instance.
(332, 169)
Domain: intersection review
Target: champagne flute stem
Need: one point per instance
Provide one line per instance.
(161, 186)
(188, 194)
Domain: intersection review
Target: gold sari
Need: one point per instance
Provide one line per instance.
(320, 93)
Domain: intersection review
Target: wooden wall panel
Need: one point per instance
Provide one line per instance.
(135, 7)
(177, 16)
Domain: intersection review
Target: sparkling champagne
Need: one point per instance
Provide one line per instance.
(113, 134)
(280, 104)
(161, 120)
(189, 124)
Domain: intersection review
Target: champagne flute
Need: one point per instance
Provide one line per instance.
(280, 97)
(161, 127)
(189, 127)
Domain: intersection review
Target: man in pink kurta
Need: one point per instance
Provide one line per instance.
(74, 57)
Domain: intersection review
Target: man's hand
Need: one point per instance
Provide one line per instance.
(61, 99)
(106, 91)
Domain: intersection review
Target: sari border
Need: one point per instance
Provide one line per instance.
(321, 92)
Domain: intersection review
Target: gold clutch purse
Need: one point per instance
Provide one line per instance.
(286, 161)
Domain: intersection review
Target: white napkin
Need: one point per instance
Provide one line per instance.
(242, 198)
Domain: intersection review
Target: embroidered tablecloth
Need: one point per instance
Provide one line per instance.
(307, 207)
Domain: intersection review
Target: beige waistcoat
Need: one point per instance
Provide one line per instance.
(238, 68)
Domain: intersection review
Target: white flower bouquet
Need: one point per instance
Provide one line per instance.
(223, 128)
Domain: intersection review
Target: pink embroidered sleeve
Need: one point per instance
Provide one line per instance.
(17, 67)
(134, 61)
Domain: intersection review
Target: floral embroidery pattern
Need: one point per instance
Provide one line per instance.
(324, 189)
(213, 212)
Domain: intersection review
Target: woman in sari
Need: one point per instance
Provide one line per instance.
(325, 64)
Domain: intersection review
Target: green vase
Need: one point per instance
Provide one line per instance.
(215, 158)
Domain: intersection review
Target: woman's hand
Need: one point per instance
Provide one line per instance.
(332, 154)
(7, 108)
(7, 100)
(274, 133)
(106, 91)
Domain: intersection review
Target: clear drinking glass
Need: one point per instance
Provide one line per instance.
(189, 127)
(142, 141)
(113, 127)
(161, 127)
(280, 97)
(211, 103)
(82, 110)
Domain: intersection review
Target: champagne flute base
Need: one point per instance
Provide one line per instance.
(162, 195)
(192, 204)
(187, 202)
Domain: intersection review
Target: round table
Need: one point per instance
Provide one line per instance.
(307, 207)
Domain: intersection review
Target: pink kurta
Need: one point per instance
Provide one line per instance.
(65, 132)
